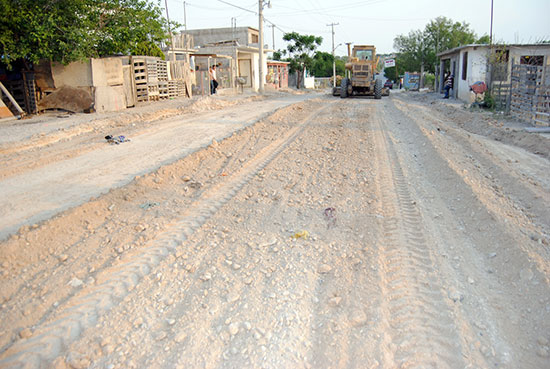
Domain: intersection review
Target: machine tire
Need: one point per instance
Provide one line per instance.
(378, 89)
(344, 90)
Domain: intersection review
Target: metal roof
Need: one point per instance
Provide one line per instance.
(457, 49)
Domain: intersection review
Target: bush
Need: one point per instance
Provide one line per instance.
(429, 79)
(489, 100)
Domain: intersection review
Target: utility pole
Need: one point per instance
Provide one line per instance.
(333, 57)
(273, 35)
(491, 31)
(261, 42)
(184, 16)
(170, 31)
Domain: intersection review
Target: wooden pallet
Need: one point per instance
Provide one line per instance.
(162, 70)
(142, 93)
(163, 90)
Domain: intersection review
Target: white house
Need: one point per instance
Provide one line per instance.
(486, 63)
(240, 43)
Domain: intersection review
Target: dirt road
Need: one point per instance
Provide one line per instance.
(358, 233)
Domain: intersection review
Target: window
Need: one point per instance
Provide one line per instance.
(500, 65)
(532, 59)
(363, 54)
(254, 39)
(464, 65)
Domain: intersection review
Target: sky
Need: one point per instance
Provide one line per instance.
(375, 22)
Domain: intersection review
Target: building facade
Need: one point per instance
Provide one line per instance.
(239, 43)
(489, 64)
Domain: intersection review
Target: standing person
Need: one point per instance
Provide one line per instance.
(448, 85)
(213, 80)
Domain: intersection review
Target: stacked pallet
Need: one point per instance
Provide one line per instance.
(162, 75)
(140, 76)
(152, 79)
(176, 88)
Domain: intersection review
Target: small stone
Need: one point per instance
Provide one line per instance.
(248, 326)
(334, 301)
(25, 333)
(120, 250)
(206, 277)
(63, 257)
(324, 269)
(180, 337)
(471, 280)
(232, 297)
(233, 328)
(138, 322)
(105, 341)
(186, 178)
(236, 266)
(168, 301)
(492, 255)
(543, 341)
(160, 336)
(214, 143)
(75, 282)
(171, 321)
(248, 280)
(358, 318)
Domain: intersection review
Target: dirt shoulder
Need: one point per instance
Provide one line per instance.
(54, 172)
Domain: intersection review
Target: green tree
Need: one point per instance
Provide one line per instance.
(69, 30)
(418, 50)
(300, 50)
(322, 65)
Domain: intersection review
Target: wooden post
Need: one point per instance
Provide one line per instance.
(12, 100)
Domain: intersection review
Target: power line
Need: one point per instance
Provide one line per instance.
(236, 6)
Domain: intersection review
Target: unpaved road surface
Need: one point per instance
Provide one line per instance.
(357, 233)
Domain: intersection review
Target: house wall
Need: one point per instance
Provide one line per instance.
(243, 35)
(476, 71)
(101, 78)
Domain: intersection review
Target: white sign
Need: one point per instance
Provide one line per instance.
(389, 63)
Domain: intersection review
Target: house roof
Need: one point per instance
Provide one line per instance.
(458, 49)
(219, 29)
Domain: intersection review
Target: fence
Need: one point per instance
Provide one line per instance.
(530, 93)
(500, 91)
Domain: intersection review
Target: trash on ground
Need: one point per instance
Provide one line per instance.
(330, 216)
(301, 234)
(116, 140)
(148, 205)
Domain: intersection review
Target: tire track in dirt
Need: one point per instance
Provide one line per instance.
(418, 328)
(84, 309)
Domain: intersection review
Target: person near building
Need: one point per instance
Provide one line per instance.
(448, 85)
(213, 79)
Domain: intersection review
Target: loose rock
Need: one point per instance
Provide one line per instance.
(324, 269)
(358, 318)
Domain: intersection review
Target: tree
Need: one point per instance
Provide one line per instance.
(322, 65)
(418, 50)
(300, 49)
(69, 30)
